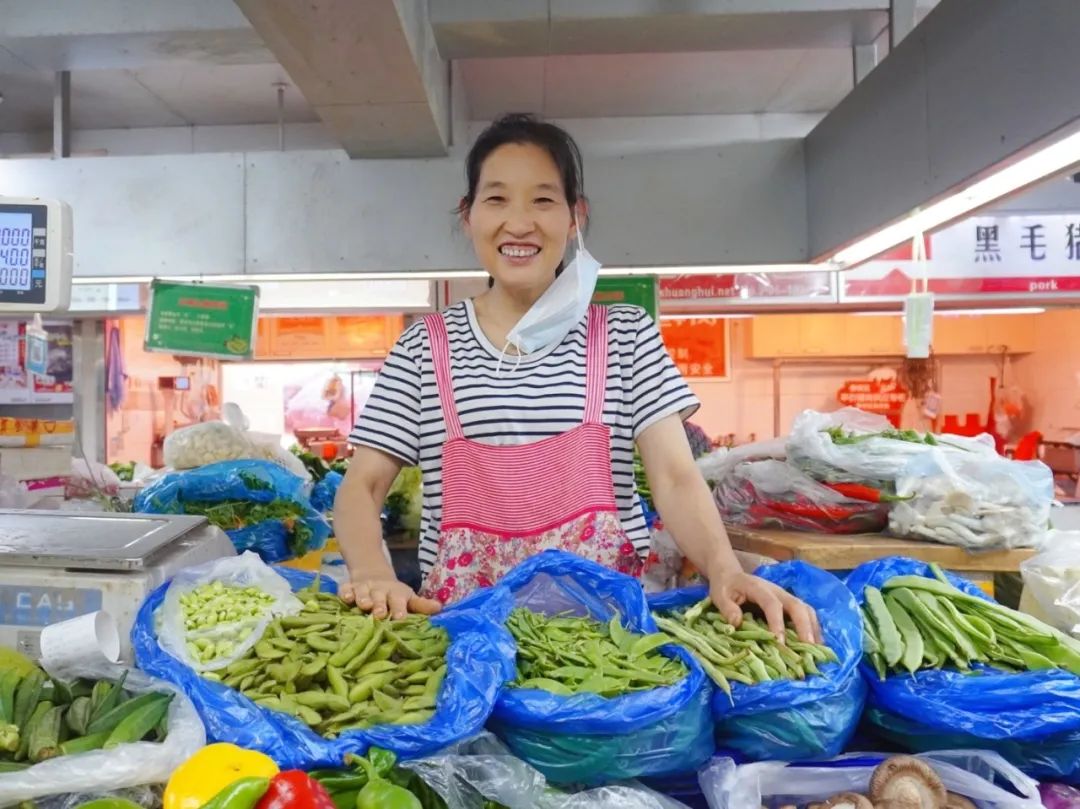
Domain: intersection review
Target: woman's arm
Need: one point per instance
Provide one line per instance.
(372, 584)
(686, 506)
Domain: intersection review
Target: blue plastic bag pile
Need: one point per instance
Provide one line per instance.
(221, 491)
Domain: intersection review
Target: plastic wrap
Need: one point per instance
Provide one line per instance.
(206, 443)
(127, 765)
(231, 482)
(1032, 718)
(324, 492)
(876, 459)
(586, 738)
(477, 666)
(981, 776)
(974, 502)
(482, 769)
(1052, 581)
(775, 495)
(246, 570)
(789, 720)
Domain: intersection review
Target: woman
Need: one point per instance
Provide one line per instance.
(530, 446)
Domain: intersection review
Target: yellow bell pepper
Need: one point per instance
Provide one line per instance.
(212, 769)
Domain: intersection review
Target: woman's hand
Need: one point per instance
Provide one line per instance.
(382, 597)
(731, 591)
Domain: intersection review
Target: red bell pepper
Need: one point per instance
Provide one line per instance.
(857, 491)
(293, 789)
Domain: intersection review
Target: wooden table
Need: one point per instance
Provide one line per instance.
(833, 552)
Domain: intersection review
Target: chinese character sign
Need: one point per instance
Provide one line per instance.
(699, 346)
(1029, 254)
(883, 396)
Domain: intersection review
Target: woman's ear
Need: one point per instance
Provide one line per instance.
(463, 212)
(581, 217)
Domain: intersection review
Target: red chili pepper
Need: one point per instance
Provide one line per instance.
(293, 789)
(818, 510)
(857, 491)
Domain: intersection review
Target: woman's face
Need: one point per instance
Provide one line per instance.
(520, 220)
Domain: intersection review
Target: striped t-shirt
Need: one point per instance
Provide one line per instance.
(527, 399)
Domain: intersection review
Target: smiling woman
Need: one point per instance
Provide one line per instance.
(535, 452)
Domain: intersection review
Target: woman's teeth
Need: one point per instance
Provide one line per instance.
(518, 252)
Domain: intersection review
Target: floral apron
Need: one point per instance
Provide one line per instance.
(504, 503)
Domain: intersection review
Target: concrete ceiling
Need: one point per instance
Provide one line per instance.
(160, 63)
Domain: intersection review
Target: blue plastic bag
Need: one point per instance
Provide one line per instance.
(477, 665)
(1031, 718)
(324, 492)
(585, 738)
(244, 482)
(791, 720)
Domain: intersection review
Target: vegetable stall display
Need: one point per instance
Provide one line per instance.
(950, 668)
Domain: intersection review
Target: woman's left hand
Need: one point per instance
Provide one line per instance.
(731, 591)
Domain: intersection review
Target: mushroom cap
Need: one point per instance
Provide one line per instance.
(901, 782)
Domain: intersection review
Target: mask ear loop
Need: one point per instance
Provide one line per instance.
(577, 232)
(502, 356)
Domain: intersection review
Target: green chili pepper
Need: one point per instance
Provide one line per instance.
(379, 793)
(243, 793)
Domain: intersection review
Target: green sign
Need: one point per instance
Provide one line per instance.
(202, 320)
(636, 290)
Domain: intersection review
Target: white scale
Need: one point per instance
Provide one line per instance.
(57, 565)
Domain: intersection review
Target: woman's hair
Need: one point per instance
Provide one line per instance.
(522, 128)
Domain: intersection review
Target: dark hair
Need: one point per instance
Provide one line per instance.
(521, 128)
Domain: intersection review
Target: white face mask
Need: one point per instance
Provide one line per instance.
(561, 307)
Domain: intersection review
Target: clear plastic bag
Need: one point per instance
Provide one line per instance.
(586, 738)
(482, 768)
(875, 459)
(148, 797)
(201, 444)
(128, 765)
(974, 502)
(980, 776)
(245, 570)
(1052, 582)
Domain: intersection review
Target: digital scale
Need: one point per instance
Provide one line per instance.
(35, 255)
(58, 565)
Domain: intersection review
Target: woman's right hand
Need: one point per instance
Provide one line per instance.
(383, 597)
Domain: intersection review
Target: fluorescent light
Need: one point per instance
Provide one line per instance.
(707, 316)
(1047, 160)
(444, 275)
(1015, 310)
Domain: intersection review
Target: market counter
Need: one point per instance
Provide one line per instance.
(845, 552)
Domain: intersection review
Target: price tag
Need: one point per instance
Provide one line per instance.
(37, 349)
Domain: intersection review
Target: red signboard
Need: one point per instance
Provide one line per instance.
(886, 397)
(699, 346)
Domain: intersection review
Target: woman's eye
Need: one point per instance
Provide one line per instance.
(544, 200)
(495, 199)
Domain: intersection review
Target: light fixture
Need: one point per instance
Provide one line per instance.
(445, 275)
(1055, 155)
(1014, 310)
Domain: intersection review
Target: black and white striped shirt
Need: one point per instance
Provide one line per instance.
(529, 398)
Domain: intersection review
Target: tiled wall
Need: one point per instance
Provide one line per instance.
(1049, 377)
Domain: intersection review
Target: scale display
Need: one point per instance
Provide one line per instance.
(35, 255)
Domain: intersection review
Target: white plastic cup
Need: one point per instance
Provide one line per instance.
(91, 637)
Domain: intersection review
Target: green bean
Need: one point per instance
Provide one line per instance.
(892, 647)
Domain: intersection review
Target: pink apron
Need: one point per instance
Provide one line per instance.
(503, 504)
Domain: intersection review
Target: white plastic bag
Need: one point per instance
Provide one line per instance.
(1052, 582)
(14, 494)
(979, 775)
(481, 768)
(879, 458)
(128, 765)
(245, 570)
(974, 502)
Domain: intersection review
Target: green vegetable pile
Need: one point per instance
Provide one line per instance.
(567, 655)
(842, 437)
(747, 655)
(375, 780)
(316, 466)
(124, 471)
(917, 622)
(218, 616)
(42, 718)
(337, 669)
(230, 515)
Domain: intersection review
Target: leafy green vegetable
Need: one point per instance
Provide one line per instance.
(230, 515)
